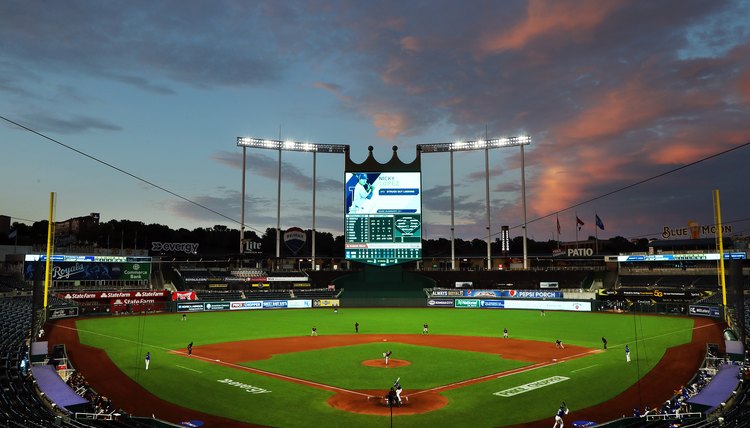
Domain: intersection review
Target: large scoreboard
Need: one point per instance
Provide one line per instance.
(383, 217)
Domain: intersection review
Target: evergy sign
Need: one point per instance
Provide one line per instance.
(175, 247)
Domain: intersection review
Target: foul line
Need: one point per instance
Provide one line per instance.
(188, 368)
(588, 367)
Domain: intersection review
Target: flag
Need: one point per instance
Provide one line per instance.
(558, 225)
(12, 234)
(579, 222)
(599, 222)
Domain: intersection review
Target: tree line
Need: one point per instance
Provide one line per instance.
(222, 241)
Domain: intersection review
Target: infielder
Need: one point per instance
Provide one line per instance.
(562, 411)
(505, 333)
(386, 355)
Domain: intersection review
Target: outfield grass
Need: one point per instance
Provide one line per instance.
(193, 383)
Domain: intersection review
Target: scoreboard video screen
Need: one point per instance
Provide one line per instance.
(383, 217)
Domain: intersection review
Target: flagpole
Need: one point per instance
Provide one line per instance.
(596, 234)
(577, 227)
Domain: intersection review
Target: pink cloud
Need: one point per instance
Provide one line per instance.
(544, 18)
(389, 125)
(744, 85)
(411, 44)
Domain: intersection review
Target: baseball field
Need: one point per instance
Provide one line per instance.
(263, 368)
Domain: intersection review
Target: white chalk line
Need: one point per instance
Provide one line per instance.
(188, 368)
(584, 368)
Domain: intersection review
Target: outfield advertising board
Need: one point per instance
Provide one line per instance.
(705, 311)
(326, 303)
(467, 303)
(498, 304)
(269, 304)
(189, 307)
(216, 306)
(440, 303)
(552, 305)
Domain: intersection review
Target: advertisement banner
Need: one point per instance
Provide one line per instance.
(64, 312)
(551, 305)
(326, 303)
(530, 294)
(239, 306)
(440, 303)
(482, 293)
(497, 304)
(467, 303)
(97, 271)
(184, 295)
(299, 304)
(189, 307)
(275, 304)
(216, 306)
(704, 311)
(96, 295)
(260, 285)
(456, 293)
(287, 279)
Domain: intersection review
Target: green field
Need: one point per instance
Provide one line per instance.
(193, 383)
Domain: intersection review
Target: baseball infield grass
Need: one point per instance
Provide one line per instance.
(194, 383)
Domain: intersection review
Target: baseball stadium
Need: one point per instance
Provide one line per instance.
(383, 331)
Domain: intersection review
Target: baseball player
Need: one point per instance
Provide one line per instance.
(148, 359)
(505, 333)
(356, 327)
(425, 328)
(562, 411)
(314, 331)
(190, 349)
(604, 342)
(559, 344)
(627, 353)
(387, 355)
(397, 386)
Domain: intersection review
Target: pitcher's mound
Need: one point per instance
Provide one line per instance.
(393, 362)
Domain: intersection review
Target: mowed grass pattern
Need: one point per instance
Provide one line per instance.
(193, 383)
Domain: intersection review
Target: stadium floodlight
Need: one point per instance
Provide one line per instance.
(465, 146)
(292, 146)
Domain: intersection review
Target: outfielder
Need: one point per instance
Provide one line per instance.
(148, 359)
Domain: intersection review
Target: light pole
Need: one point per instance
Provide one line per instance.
(293, 146)
(464, 146)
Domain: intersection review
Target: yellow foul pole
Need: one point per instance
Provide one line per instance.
(48, 261)
(719, 236)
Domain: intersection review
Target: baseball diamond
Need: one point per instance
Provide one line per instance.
(263, 368)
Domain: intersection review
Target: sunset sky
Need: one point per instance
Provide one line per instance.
(613, 93)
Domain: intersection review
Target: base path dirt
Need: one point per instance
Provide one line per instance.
(676, 367)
